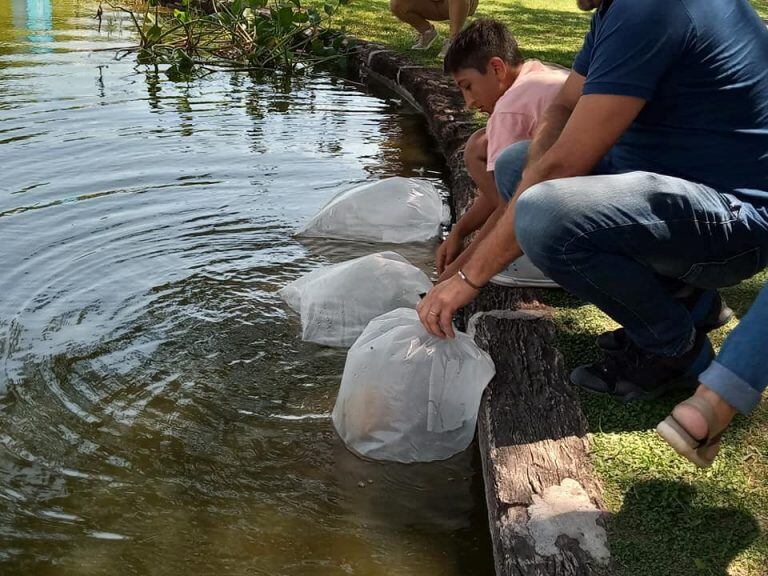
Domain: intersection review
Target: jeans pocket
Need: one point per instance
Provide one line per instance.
(727, 272)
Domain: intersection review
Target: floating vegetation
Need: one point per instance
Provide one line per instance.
(207, 35)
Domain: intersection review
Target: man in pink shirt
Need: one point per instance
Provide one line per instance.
(486, 64)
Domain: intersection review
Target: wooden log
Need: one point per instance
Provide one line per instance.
(544, 504)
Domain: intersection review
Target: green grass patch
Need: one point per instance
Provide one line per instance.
(669, 519)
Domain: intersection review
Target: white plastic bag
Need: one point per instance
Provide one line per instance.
(337, 302)
(395, 210)
(408, 396)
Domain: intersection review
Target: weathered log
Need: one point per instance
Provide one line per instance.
(544, 505)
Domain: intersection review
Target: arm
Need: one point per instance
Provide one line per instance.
(596, 123)
(455, 265)
(556, 117)
(482, 209)
(451, 248)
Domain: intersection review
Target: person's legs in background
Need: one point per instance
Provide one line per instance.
(458, 12)
(610, 240)
(419, 13)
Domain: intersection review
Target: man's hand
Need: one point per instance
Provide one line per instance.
(437, 308)
(448, 251)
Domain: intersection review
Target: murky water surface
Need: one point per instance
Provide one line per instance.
(160, 414)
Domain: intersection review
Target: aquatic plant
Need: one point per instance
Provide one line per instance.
(241, 34)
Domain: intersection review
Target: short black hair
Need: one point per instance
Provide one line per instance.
(474, 47)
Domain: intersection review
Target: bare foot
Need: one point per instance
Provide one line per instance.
(693, 420)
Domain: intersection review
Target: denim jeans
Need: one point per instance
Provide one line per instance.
(739, 374)
(624, 242)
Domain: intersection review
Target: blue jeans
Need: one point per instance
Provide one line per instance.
(626, 242)
(740, 372)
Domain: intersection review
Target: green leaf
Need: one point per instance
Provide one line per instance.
(256, 4)
(296, 3)
(237, 7)
(144, 57)
(314, 16)
(181, 15)
(329, 9)
(301, 17)
(285, 17)
(154, 33)
(343, 2)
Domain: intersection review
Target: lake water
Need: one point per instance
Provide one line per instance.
(159, 412)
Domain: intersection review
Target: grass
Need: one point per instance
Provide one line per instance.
(669, 519)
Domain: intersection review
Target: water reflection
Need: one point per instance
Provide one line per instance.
(162, 414)
(35, 16)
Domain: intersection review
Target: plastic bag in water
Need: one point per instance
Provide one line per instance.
(337, 302)
(395, 210)
(409, 396)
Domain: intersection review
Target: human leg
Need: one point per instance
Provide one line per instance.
(612, 239)
(508, 168)
(458, 11)
(733, 383)
(508, 171)
(418, 14)
(739, 375)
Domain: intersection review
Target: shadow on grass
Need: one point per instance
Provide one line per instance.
(662, 528)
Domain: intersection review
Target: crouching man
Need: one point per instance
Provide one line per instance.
(644, 189)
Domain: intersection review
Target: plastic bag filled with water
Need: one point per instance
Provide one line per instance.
(408, 396)
(395, 210)
(337, 302)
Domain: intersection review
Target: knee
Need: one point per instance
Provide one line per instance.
(398, 7)
(508, 168)
(476, 148)
(546, 218)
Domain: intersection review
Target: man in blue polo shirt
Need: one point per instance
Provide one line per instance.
(645, 189)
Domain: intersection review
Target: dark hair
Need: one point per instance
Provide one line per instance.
(474, 47)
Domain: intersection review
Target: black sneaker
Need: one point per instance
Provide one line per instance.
(632, 374)
(708, 310)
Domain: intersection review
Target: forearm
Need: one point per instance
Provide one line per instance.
(549, 130)
(493, 253)
(474, 218)
(464, 257)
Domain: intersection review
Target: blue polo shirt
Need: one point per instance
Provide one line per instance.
(702, 67)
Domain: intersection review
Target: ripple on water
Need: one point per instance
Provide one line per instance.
(162, 412)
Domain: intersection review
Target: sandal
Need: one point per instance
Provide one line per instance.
(701, 452)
